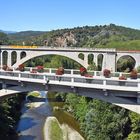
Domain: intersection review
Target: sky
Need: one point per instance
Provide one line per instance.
(46, 15)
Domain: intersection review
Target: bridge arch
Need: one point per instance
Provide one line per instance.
(125, 62)
(28, 56)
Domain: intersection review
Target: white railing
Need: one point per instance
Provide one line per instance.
(70, 79)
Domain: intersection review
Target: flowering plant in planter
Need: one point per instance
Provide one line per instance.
(89, 77)
(106, 73)
(40, 69)
(21, 67)
(9, 69)
(122, 77)
(83, 71)
(60, 71)
(4, 67)
(33, 71)
(133, 74)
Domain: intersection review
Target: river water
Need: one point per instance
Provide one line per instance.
(31, 123)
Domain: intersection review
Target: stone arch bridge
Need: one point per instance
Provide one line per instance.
(25, 53)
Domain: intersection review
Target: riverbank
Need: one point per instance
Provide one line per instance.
(54, 131)
(34, 125)
(32, 121)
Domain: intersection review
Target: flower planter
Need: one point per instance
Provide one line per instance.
(133, 74)
(122, 83)
(122, 77)
(89, 76)
(106, 73)
(40, 69)
(21, 67)
(5, 67)
(59, 71)
(83, 71)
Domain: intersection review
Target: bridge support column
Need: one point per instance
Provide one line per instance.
(109, 61)
(86, 60)
(96, 59)
(9, 60)
(18, 57)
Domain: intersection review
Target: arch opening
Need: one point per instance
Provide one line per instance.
(22, 55)
(4, 57)
(53, 61)
(90, 59)
(125, 63)
(81, 56)
(100, 61)
(13, 57)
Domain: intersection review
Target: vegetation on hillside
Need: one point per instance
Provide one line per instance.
(107, 36)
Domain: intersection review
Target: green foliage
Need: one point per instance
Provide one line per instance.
(133, 136)
(110, 36)
(55, 131)
(92, 67)
(3, 39)
(126, 64)
(81, 56)
(10, 113)
(105, 121)
(135, 119)
(138, 69)
(99, 120)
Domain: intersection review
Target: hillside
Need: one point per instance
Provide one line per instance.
(107, 36)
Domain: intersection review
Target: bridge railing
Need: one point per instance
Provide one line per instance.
(69, 79)
(77, 72)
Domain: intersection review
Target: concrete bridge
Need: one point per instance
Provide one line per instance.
(124, 93)
(21, 54)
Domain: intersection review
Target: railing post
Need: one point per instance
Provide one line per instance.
(31, 69)
(71, 72)
(138, 94)
(72, 79)
(50, 70)
(120, 74)
(19, 76)
(104, 82)
(95, 73)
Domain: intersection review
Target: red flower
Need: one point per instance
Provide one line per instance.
(21, 67)
(83, 71)
(106, 73)
(60, 71)
(122, 77)
(40, 68)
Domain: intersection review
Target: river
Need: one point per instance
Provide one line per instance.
(32, 120)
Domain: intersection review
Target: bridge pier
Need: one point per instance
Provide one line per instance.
(9, 59)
